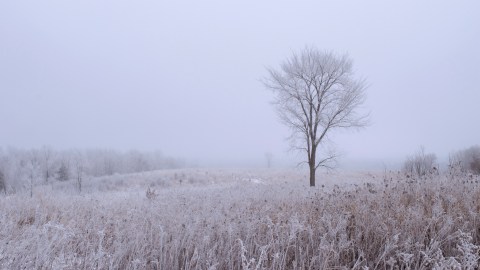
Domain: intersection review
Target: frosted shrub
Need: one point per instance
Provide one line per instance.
(421, 164)
(469, 253)
(151, 193)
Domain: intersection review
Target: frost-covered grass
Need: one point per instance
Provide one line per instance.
(238, 219)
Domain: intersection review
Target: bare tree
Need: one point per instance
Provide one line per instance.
(78, 163)
(269, 157)
(63, 173)
(3, 186)
(137, 161)
(316, 92)
(33, 168)
(47, 153)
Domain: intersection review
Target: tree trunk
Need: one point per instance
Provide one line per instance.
(312, 174)
(312, 164)
(79, 182)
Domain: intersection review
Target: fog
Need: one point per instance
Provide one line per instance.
(185, 77)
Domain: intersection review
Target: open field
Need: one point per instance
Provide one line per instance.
(239, 135)
(244, 219)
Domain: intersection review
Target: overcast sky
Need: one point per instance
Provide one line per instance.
(184, 77)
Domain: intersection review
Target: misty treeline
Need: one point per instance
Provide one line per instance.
(22, 169)
(465, 161)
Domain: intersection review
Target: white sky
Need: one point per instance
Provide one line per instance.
(183, 77)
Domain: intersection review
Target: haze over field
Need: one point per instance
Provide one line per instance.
(183, 77)
(156, 134)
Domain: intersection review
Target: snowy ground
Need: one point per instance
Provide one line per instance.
(243, 219)
(188, 178)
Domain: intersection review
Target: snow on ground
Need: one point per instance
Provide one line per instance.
(183, 178)
(244, 219)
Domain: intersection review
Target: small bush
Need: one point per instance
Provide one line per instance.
(62, 173)
(151, 193)
(420, 164)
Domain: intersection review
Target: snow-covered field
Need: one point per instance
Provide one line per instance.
(244, 219)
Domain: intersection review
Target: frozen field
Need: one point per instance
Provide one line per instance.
(244, 219)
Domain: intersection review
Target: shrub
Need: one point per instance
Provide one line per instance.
(62, 173)
(420, 164)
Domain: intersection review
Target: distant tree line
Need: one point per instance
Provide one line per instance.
(466, 161)
(22, 169)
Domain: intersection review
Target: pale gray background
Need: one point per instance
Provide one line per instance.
(183, 77)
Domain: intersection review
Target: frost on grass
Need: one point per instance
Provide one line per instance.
(194, 219)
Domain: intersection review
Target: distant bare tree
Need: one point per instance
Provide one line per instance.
(109, 158)
(79, 166)
(3, 181)
(475, 164)
(269, 157)
(33, 168)
(137, 161)
(63, 173)
(316, 92)
(3, 185)
(47, 153)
